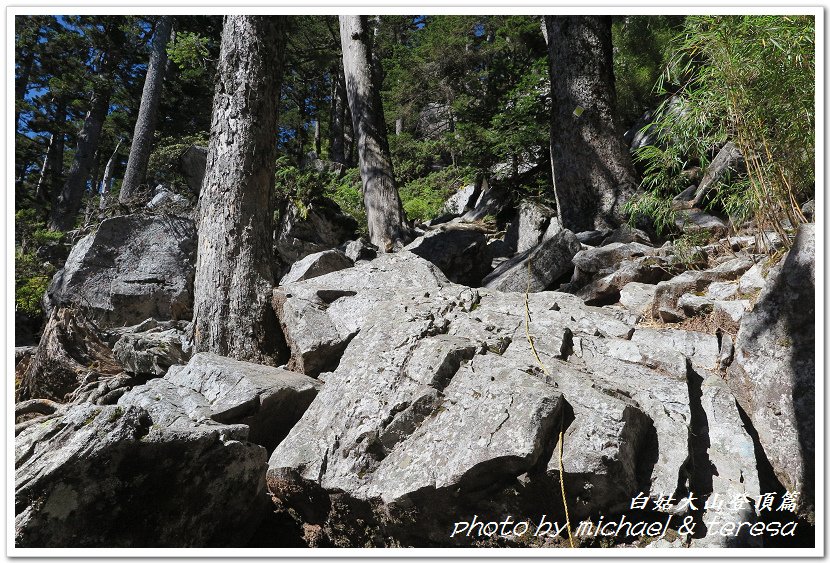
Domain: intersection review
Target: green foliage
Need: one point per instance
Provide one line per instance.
(189, 51)
(489, 73)
(346, 192)
(291, 183)
(413, 158)
(423, 198)
(302, 186)
(31, 278)
(749, 79)
(641, 50)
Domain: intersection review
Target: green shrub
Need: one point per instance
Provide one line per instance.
(745, 78)
(413, 159)
(423, 198)
(31, 281)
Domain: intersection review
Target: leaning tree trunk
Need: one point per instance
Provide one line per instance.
(384, 212)
(107, 179)
(67, 203)
(592, 172)
(145, 125)
(232, 312)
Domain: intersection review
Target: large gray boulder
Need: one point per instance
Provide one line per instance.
(321, 315)
(109, 477)
(131, 268)
(322, 225)
(438, 409)
(317, 264)
(593, 263)
(214, 390)
(457, 249)
(773, 373)
(537, 268)
(730, 455)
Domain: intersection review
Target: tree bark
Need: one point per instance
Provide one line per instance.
(384, 212)
(338, 116)
(234, 278)
(145, 124)
(592, 172)
(68, 201)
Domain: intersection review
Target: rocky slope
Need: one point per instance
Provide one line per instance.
(421, 389)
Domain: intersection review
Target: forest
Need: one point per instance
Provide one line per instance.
(354, 281)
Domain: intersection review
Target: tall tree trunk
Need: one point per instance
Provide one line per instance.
(384, 212)
(338, 116)
(21, 83)
(592, 172)
(145, 125)
(52, 168)
(232, 312)
(68, 201)
(301, 132)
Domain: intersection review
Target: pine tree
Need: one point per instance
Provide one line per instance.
(232, 312)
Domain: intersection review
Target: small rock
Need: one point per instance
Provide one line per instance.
(694, 305)
(150, 353)
(627, 234)
(693, 220)
(322, 225)
(733, 310)
(722, 290)
(192, 163)
(809, 210)
(360, 249)
(492, 201)
(592, 238)
(694, 282)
